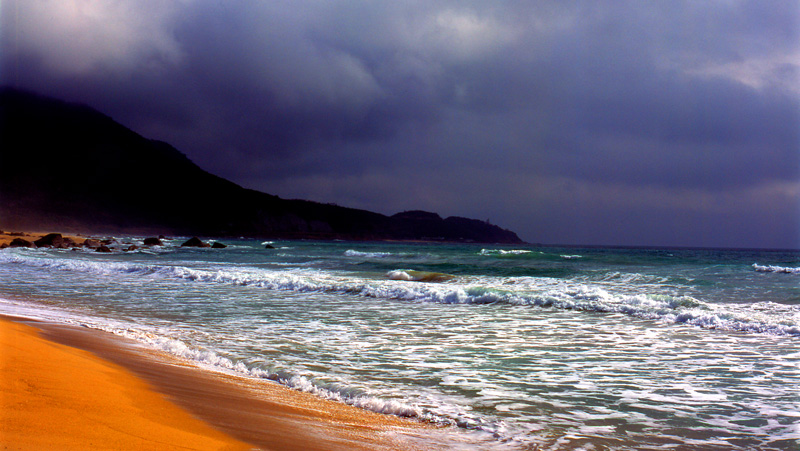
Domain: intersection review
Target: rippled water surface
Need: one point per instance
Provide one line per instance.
(557, 347)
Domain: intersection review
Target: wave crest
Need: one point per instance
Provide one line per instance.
(778, 269)
(577, 296)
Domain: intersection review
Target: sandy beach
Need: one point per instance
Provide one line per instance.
(116, 394)
(74, 388)
(59, 397)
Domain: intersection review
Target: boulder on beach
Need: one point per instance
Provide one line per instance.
(153, 242)
(20, 242)
(50, 240)
(218, 245)
(195, 242)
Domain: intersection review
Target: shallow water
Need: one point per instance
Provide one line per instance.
(557, 347)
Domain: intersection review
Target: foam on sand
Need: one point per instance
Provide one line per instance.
(120, 411)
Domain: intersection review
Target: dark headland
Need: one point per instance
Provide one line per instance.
(70, 168)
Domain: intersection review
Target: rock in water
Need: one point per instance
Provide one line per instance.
(195, 242)
(152, 242)
(103, 248)
(90, 243)
(218, 245)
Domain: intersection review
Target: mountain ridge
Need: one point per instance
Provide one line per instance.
(70, 167)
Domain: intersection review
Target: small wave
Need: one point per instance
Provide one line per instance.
(505, 252)
(213, 360)
(571, 257)
(632, 278)
(354, 253)
(418, 276)
(779, 269)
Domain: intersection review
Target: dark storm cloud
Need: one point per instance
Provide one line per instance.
(652, 121)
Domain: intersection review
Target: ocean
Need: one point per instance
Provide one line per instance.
(520, 347)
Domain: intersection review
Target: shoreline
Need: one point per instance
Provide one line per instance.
(6, 236)
(225, 411)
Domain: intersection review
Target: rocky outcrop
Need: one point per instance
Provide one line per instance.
(195, 242)
(21, 242)
(50, 240)
(153, 242)
(91, 243)
(218, 245)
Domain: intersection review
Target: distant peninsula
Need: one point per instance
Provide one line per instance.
(70, 168)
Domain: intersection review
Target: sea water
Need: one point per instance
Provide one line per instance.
(520, 347)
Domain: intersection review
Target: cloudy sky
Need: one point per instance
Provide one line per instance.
(619, 122)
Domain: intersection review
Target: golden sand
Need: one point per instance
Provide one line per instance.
(54, 396)
(77, 388)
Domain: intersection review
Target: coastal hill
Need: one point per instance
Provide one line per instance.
(70, 168)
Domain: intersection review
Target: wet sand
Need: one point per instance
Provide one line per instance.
(66, 387)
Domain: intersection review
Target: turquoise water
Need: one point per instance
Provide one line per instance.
(518, 346)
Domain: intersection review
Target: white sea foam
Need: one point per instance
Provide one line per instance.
(364, 254)
(411, 275)
(779, 269)
(214, 361)
(399, 274)
(563, 296)
(505, 251)
(354, 253)
(571, 257)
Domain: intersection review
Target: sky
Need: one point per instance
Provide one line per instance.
(657, 123)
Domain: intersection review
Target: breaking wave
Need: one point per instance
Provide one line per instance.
(218, 362)
(779, 269)
(571, 257)
(778, 320)
(505, 252)
(362, 254)
(215, 361)
(419, 276)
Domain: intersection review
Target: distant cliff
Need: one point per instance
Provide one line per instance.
(68, 167)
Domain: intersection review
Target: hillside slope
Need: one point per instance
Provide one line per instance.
(68, 167)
